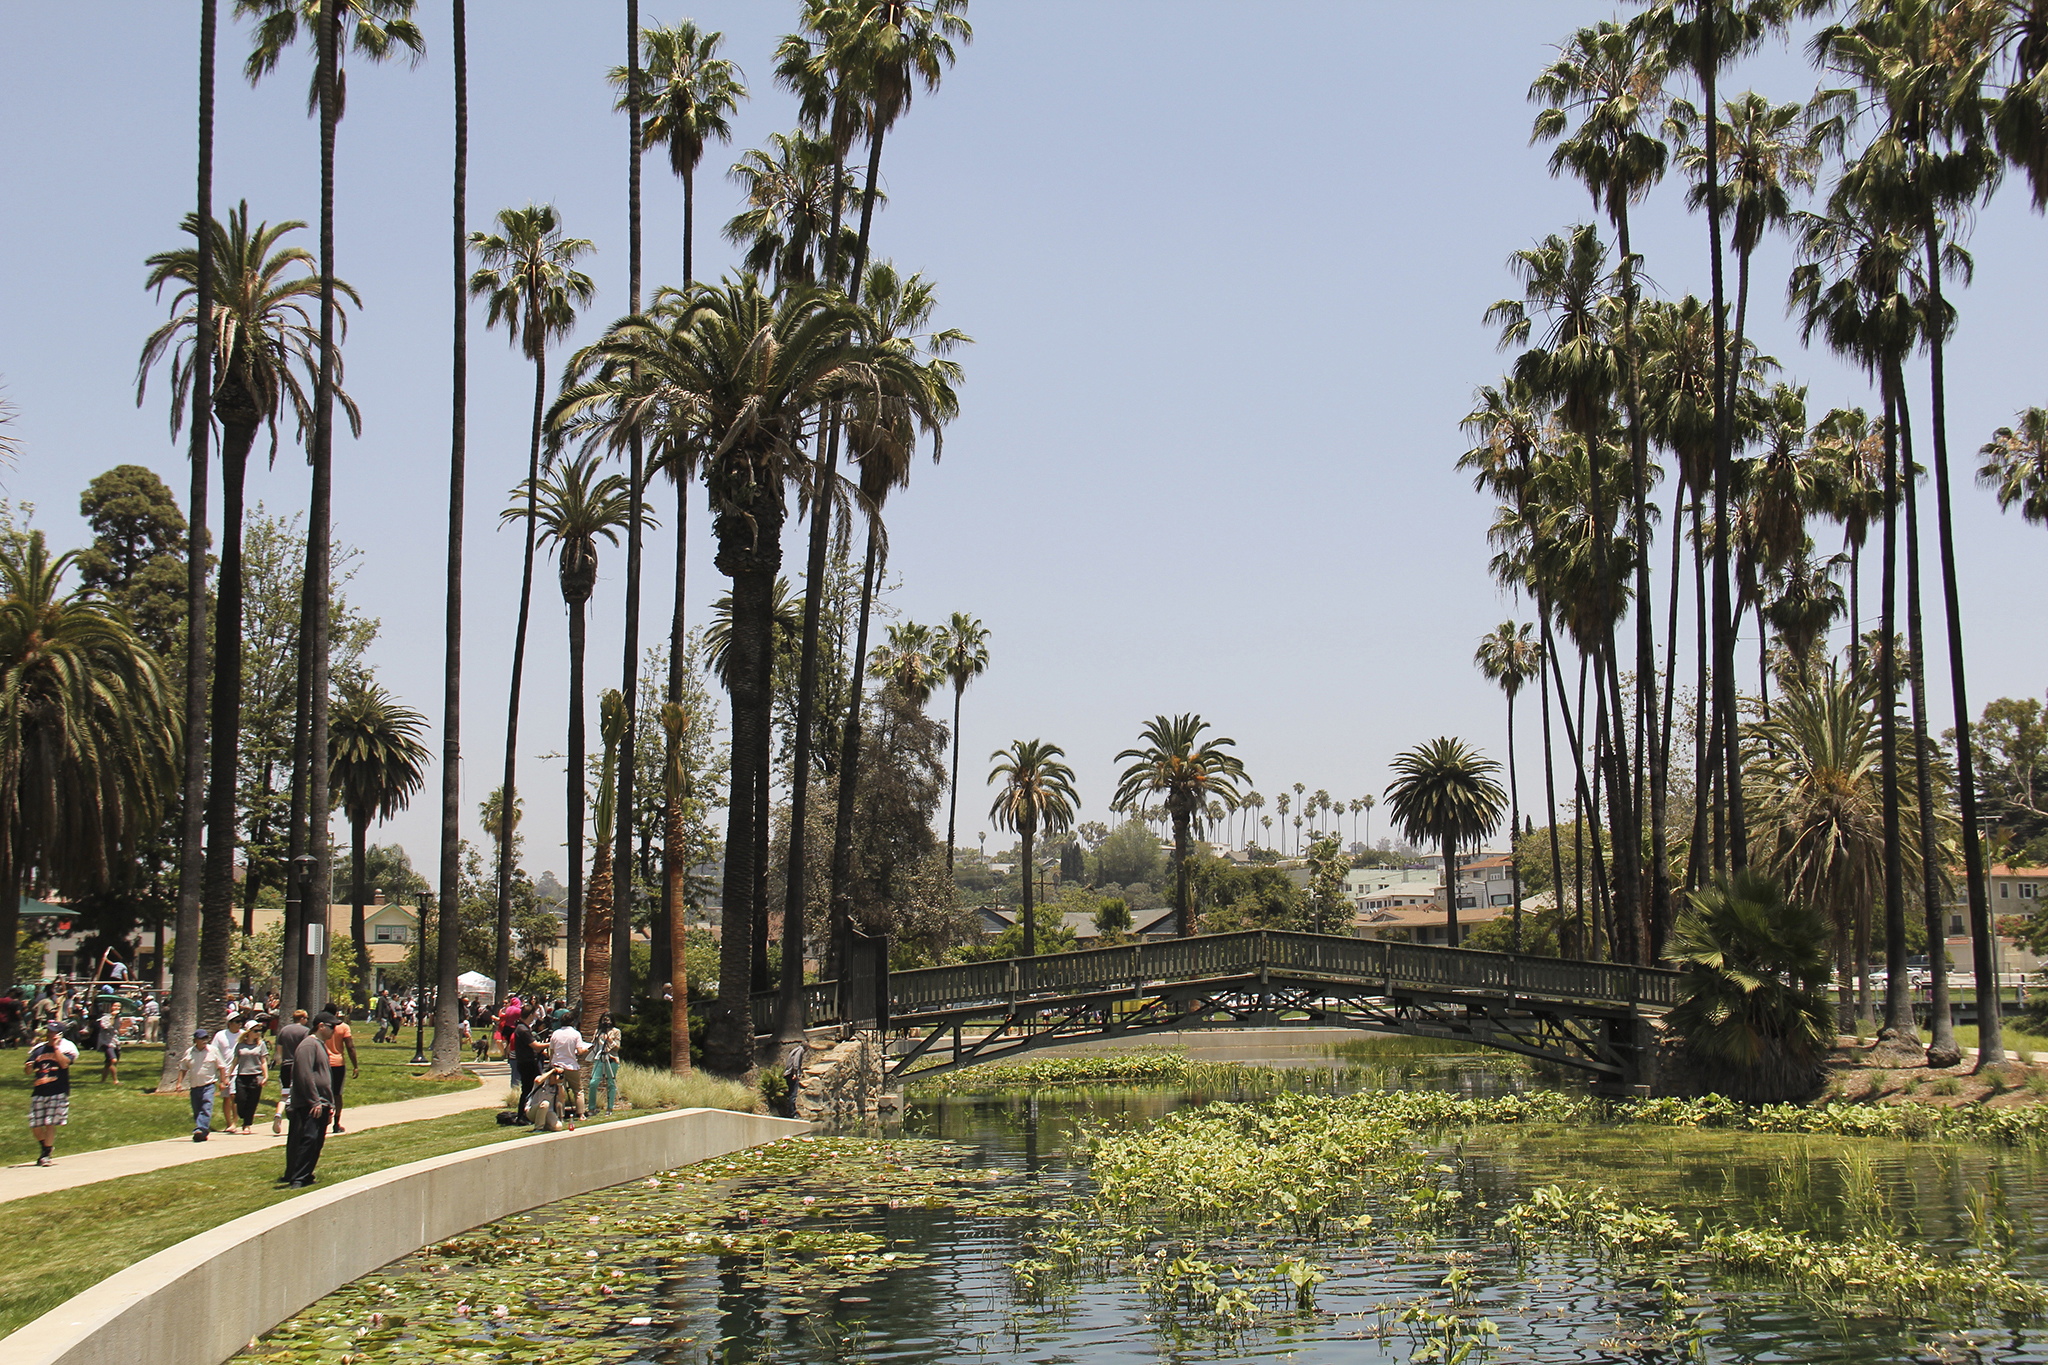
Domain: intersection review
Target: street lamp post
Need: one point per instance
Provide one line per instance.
(419, 981)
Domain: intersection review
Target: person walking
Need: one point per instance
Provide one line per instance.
(565, 1054)
(252, 1071)
(288, 1039)
(152, 1018)
(110, 1043)
(341, 1057)
(604, 1065)
(312, 1101)
(49, 1104)
(202, 1066)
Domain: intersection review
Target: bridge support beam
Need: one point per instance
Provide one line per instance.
(1634, 1043)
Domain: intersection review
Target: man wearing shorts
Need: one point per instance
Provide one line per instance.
(49, 1106)
(288, 1039)
(565, 1057)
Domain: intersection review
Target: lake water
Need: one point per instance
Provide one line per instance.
(897, 1246)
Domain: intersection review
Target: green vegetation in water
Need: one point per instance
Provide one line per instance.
(1165, 1067)
(1201, 1209)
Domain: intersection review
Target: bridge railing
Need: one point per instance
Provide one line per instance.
(1135, 966)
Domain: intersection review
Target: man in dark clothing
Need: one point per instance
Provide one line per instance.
(312, 1101)
(288, 1039)
(525, 1063)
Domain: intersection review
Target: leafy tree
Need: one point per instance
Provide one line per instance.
(1327, 910)
(1174, 761)
(2016, 465)
(2014, 775)
(137, 557)
(1129, 853)
(89, 736)
(377, 764)
(1752, 1017)
(1112, 921)
(1445, 792)
(1043, 934)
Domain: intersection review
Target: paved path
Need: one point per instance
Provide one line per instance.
(111, 1163)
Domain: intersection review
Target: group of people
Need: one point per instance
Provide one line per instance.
(312, 1058)
(560, 1072)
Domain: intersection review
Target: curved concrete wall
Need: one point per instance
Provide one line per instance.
(199, 1302)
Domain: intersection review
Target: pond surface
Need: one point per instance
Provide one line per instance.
(900, 1247)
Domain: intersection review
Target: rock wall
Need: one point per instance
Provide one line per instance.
(845, 1082)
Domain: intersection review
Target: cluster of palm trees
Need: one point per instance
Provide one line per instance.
(1927, 101)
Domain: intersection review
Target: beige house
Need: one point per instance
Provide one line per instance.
(389, 931)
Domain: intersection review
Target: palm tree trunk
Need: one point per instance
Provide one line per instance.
(217, 913)
(320, 523)
(840, 912)
(1025, 832)
(1942, 1049)
(1707, 848)
(1898, 1014)
(622, 917)
(1567, 946)
(748, 554)
(1651, 896)
(184, 1002)
(508, 793)
(1990, 1026)
(764, 822)
(1514, 825)
(675, 867)
(790, 1007)
(448, 960)
(1451, 889)
(597, 941)
(667, 966)
(358, 858)
(577, 777)
(953, 785)
(1183, 919)
(689, 221)
(1724, 474)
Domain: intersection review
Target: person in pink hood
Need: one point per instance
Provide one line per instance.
(508, 1019)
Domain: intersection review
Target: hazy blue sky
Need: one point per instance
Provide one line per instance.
(1224, 266)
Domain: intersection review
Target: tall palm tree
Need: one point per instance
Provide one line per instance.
(636, 489)
(1282, 804)
(261, 350)
(377, 762)
(912, 662)
(574, 506)
(737, 371)
(1254, 802)
(1173, 761)
(1933, 151)
(1444, 791)
(1037, 795)
(377, 30)
(2016, 464)
(1510, 658)
(1366, 803)
(532, 288)
(448, 955)
(687, 96)
(89, 738)
(183, 1011)
(789, 227)
(963, 654)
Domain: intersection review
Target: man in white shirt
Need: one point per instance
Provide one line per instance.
(565, 1055)
(202, 1065)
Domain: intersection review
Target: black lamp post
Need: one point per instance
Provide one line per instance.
(419, 981)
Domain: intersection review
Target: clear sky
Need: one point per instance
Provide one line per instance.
(1224, 265)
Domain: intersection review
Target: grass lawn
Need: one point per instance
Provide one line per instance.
(109, 1226)
(108, 1115)
(2015, 1041)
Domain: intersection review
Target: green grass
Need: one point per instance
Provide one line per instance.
(108, 1115)
(2015, 1041)
(106, 1227)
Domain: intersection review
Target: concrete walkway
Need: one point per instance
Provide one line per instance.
(111, 1163)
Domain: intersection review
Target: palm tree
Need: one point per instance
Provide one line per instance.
(688, 94)
(597, 920)
(376, 763)
(89, 737)
(183, 1010)
(1283, 803)
(1445, 792)
(963, 654)
(1366, 803)
(261, 359)
(1037, 793)
(1172, 760)
(574, 506)
(529, 279)
(636, 488)
(2016, 464)
(1932, 151)
(378, 30)
(736, 371)
(1752, 1014)
(912, 662)
(1254, 802)
(2020, 119)
(1510, 658)
(788, 230)
(448, 955)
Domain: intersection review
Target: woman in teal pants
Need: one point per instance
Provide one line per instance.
(604, 1066)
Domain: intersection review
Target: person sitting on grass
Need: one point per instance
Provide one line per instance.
(49, 1106)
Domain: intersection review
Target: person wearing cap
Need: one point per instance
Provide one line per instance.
(202, 1064)
(49, 1106)
(311, 1103)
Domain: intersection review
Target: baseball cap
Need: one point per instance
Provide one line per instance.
(200, 1035)
(324, 1018)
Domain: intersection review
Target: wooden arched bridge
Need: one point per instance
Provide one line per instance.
(1587, 1015)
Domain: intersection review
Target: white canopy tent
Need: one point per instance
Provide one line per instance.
(475, 983)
